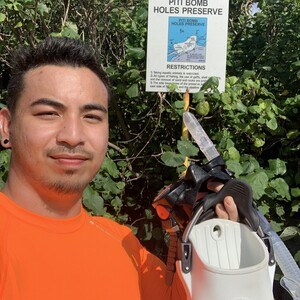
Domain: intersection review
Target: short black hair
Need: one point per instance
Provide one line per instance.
(59, 51)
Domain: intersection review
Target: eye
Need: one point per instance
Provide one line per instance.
(93, 118)
(47, 115)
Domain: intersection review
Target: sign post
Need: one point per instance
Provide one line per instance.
(187, 44)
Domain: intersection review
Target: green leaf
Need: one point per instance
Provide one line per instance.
(272, 124)
(172, 159)
(296, 63)
(264, 209)
(295, 192)
(232, 80)
(137, 53)
(179, 104)
(19, 24)
(116, 203)
(250, 165)
(234, 154)
(43, 9)
(148, 214)
(295, 206)
(55, 34)
(132, 74)
(258, 182)
(282, 188)
(225, 98)
(198, 96)
(267, 68)
(111, 186)
(251, 84)
(142, 14)
(186, 148)
(255, 109)
(271, 115)
(248, 74)
(120, 185)
(122, 218)
(2, 17)
(259, 142)
(277, 166)
(289, 233)
(211, 83)
(280, 211)
(229, 144)
(93, 201)
(261, 120)
(276, 226)
(235, 167)
(110, 166)
(147, 231)
(292, 134)
(70, 30)
(203, 108)
(241, 107)
(133, 91)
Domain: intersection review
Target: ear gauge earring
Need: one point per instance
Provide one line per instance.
(5, 141)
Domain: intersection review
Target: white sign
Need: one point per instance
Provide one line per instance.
(187, 44)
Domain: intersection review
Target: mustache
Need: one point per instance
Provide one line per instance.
(74, 151)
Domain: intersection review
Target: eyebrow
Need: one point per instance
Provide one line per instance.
(92, 106)
(46, 101)
(59, 105)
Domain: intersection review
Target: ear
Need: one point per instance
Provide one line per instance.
(5, 121)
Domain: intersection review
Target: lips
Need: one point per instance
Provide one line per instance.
(69, 159)
(69, 156)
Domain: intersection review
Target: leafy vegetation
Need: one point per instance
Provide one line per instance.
(254, 123)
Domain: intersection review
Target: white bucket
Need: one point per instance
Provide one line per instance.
(229, 262)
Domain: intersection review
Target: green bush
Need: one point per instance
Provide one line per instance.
(254, 123)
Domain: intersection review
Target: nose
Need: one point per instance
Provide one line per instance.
(71, 132)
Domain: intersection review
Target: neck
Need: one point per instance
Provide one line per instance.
(43, 201)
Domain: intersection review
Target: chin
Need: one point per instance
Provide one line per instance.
(67, 184)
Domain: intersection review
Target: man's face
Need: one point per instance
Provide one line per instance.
(59, 131)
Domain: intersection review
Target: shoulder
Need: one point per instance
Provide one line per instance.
(112, 227)
(121, 233)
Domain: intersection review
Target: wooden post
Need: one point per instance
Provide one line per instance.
(185, 132)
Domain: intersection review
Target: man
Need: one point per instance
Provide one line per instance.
(56, 125)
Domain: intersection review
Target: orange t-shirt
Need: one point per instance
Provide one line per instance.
(82, 257)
